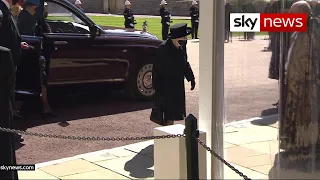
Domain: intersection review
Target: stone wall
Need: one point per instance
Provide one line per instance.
(90, 6)
(140, 7)
(151, 7)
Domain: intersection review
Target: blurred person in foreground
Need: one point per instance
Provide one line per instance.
(170, 68)
(10, 47)
(299, 126)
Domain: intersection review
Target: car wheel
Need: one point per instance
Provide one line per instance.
(140, 84)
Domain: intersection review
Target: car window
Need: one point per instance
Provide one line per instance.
(61, 20)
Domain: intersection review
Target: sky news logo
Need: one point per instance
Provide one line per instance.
(258, 22)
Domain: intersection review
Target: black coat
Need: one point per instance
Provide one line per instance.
(26, 23)
(165, 16)
(194, 14)
(170, 67)
(128, 17)
(9, 34)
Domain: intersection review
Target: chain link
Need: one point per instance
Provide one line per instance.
(14, 131)
(221, 159)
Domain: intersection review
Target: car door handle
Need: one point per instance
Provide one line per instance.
(60, 42)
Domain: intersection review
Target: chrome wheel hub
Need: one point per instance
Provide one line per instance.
(144, 80)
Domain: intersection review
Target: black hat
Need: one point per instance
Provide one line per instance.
(179, 30)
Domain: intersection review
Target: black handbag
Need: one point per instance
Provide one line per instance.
(157, 113)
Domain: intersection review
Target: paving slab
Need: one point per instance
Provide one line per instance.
(268, 147)
(230, 174)
(240, 152)
(70, 168)
(99, 174)
(264, 169)
(121, 152)
(240, 138)
(100, 157)
(37, 174)
(252, 161)
(145, 147)
(135, 167)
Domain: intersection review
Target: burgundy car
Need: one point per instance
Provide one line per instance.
(84, 52)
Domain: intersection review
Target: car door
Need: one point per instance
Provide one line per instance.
(28, 71)
(75, 57)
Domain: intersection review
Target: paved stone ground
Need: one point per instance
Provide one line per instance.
(249, 93)
(251, 152)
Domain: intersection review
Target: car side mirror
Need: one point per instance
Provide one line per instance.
(95, 31)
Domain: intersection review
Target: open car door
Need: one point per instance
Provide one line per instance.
(28, 72)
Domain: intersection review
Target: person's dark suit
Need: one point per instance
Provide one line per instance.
(9, 34)
(165, 22)
(194, 13)
(10, 41)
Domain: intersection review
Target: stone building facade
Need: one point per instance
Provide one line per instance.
(141, 7)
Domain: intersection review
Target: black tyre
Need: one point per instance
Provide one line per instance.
(139, 86)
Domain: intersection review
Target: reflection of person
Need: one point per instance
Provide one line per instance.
(299, 127)
(10, 57)
(194, 13)
(228, 10)
(165, 19)
(10, 38)
(169, 70)
(274, 67)
(248, 7)
(129, 21)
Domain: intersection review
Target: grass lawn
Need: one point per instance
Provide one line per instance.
(154, 25)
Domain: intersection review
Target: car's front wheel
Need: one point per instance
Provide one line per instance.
(140, 83)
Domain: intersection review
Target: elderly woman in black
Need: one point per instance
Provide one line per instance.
(169, 70)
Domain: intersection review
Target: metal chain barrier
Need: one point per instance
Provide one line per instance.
(221, 159)
(14, 131)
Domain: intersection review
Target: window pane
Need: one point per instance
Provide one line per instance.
(61, 20)
(251, 95)
(281, 140)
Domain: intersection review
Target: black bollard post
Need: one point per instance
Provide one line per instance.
(192, 147)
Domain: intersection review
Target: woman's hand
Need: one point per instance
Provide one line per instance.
(24, 45)
(193, 84)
